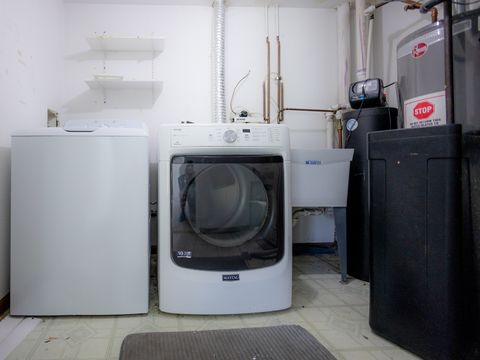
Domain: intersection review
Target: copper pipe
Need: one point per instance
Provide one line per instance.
(414, 5)
(434, 14)
(340, 138)
(280, 106)
(340, 133)
(312, 110)
(279, 79)
(268, 80)
(411, 5)
(263, 93)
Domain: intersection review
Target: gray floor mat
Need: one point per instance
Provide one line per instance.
(288, 342)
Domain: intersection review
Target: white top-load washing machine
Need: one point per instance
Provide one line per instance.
(79, 221)
(224, 218)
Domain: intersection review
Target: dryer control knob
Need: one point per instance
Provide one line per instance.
(230, 136)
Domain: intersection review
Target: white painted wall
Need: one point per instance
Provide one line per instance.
(44, 53)
(31, 74)
(309, 62)
(309, 65)
(184, 66)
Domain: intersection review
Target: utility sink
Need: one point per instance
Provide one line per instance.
(320, 177)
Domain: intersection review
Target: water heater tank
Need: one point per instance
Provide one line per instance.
(421, 79)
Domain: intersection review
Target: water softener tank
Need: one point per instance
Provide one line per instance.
(357, 124)
(421, 78)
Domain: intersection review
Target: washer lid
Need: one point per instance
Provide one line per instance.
(90, 128)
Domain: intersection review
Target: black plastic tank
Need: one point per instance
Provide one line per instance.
(466, 67)
(420, 278)
(357, 124)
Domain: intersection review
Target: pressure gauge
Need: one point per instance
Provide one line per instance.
(351, 125)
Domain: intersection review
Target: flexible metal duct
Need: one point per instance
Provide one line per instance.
(219, 106)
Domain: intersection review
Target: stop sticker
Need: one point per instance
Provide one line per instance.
(423, 110)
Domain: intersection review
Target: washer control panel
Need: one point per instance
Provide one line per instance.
(245, 135)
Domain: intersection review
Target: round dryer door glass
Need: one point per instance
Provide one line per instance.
(226, 211)
(226, 204)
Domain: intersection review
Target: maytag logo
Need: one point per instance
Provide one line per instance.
(231, 277)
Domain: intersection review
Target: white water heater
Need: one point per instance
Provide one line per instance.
(421, 78)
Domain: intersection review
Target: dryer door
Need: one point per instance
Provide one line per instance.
(227, 211)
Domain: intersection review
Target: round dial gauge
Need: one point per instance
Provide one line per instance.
(352, 124)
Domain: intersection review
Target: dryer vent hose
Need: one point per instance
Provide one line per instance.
(218, 57)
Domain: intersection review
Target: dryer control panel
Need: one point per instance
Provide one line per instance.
(226, 135)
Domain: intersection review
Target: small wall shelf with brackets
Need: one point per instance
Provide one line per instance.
(115, 84)
(116, 48)
(109, 43)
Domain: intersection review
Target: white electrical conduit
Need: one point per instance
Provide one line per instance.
(343, 40)
(266, 84)
(368, 64)
(369, 14)
(220, 108)
(360, 39)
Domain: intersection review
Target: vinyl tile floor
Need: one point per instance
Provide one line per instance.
(336, 314)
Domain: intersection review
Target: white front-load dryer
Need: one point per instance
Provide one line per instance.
(224, 219)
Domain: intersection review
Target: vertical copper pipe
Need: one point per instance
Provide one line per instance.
(434, 14)
(263, 93)
(268, 80)
(281, 105)
(279, 78)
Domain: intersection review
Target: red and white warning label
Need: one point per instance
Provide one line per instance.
(426, 110)
(419, 50)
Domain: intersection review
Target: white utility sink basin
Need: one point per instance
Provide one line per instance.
(320, 177)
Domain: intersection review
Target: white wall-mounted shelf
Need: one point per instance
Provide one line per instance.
(109, 84)
(109, 43)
